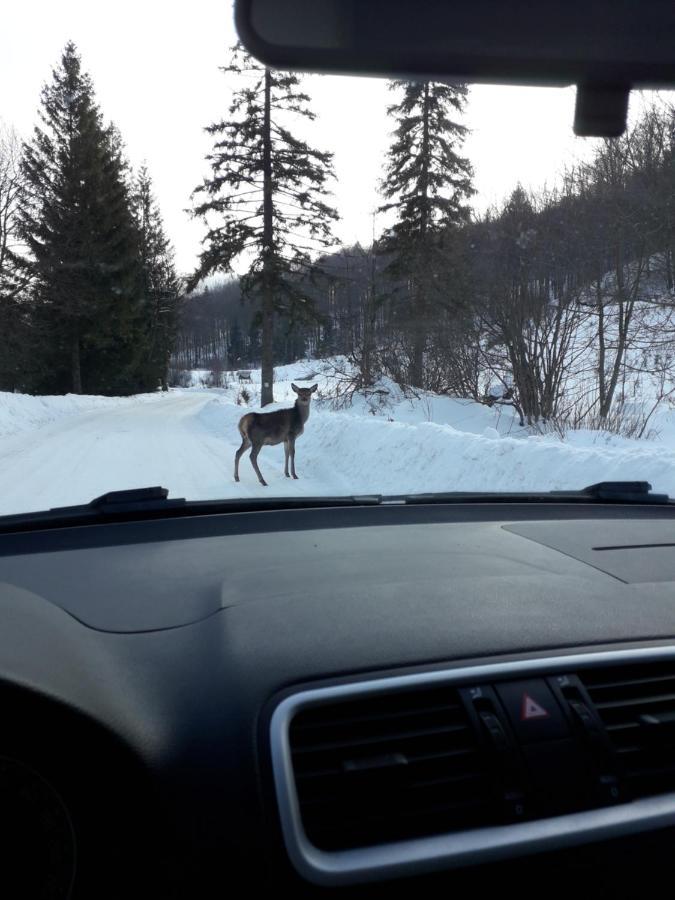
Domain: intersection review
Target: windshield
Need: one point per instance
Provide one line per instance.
(236, 282)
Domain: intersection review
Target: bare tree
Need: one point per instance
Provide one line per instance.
(14, 277)
(530, 317)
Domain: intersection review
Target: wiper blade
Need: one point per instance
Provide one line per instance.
(631, 492)
(111, 506)
(154, 502)
(116, 502)
(625, 492)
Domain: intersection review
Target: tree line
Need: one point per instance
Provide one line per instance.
(557, 302)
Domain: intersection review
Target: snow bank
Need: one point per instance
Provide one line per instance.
(342, 453)
(437, 443)
(60, 450)
(24, 412)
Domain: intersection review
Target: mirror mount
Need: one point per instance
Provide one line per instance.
(601, 110)
(604, 47)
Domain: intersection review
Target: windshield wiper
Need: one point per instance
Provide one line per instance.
(638, 492)
(622, 492)
(154, 503)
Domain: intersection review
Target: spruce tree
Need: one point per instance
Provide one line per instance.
(160, 284)
(83, 243)
(265, 201)
(427, 184)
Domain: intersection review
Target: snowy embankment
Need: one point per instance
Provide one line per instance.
(23, 412)
(62, 450)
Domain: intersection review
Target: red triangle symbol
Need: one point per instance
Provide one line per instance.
(531, 709)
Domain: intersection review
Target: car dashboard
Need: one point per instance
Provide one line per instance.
(341, 701)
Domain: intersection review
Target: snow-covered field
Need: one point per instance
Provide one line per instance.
(62, 450)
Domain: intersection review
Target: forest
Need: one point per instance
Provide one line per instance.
(558, 302)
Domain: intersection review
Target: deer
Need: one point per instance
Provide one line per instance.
(259, 429)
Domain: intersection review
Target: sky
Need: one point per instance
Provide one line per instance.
(154, 65)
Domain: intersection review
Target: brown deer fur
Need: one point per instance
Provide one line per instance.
(282, 425)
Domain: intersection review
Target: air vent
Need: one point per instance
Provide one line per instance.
(637, 706)
(388, 767)
(429, 759)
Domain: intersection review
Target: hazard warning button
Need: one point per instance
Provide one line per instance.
(533, 710)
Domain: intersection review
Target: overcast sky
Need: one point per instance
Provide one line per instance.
(155, 63)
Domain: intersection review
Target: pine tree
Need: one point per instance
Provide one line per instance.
(83, 243)
(427, 184)
(160, 284)
(266, 198)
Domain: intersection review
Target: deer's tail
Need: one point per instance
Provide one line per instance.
(244, 424)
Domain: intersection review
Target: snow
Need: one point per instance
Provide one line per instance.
(62, 450)
(24, 412)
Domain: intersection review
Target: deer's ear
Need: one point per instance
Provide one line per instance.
(294, 388)
(314, 387)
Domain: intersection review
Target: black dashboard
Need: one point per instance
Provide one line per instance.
(143, 666)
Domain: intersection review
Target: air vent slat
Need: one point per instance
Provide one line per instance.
(447, 780)
(430, 808)
(377, 739)
(388, 767)
(442, 818)
(413, 790)
(632, 683)
(339, 721)
(302, 775)
(635, 703)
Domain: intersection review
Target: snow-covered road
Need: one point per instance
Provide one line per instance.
(131, 445)
(56, 451)
(184, 441)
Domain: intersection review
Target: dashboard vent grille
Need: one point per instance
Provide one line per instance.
(388, 767)
(637, 706)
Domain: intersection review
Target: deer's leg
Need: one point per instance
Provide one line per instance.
(286, 454)
(245, 444)
(291, 444)
(254, 463)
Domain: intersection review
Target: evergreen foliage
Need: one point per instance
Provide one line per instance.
(266, 199)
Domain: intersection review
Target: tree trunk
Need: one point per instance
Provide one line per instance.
(419, 342)
(625, 307)
(267, 357)
(369, 314)
(75, 370)
(419, 281)
(625, 313)
(366, 355)
(602, 355)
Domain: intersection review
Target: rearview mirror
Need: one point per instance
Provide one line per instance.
(605, 47)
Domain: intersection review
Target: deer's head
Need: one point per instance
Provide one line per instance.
(304, 394)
